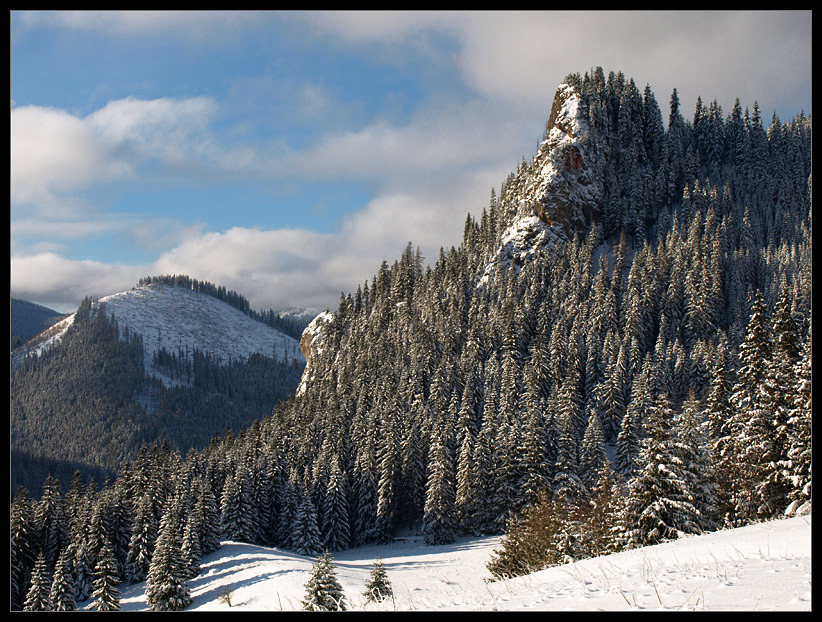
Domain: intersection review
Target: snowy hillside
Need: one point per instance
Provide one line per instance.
(179, 319)
(766, 566)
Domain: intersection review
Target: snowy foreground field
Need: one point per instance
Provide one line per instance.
(761, 567)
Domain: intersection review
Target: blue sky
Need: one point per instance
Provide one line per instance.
(287, 154)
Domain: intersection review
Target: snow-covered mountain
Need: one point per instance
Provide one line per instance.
(761, 567)
(179, 319)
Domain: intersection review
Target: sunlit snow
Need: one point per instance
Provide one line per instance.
(766, 566)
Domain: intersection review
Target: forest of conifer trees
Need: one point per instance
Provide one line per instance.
(647, 378)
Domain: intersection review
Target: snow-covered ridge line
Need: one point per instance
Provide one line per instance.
(182, 320)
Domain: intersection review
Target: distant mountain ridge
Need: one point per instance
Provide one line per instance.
(179, 319)
(27, 319)
(131, 367)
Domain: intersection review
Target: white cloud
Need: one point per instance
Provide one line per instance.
(60, 283)
(520, 56)
(54, 151)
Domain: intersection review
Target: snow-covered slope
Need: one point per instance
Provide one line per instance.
(180, 319)
(766, 566)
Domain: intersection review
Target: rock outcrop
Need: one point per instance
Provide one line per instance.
(566, 175)
(311, 343)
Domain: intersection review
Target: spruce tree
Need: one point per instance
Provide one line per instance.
(37, 598)
(337, 526)
(322, 591)
(141, 545)
(62, 586)
(378, 587)
(106, 595)
(659, 503)
(751, 424)
(307, 537)
(439, 520)
(22, 552)
(206, 508)
(166, 584)
(800, 435)
(191, 546)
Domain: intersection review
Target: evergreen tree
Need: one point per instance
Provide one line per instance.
(208, 512)
(62, 586)
(307, 539)
(694, 461)
(166, 586)
(800, 440)
(191, 546)
(323, 591)
(593, 459)
(106, 595)
(337, 529)
(141, 545)
(439, 520)
(752, 419)
(378, 587)
(659, 503)
(37, 598)
(22, 552)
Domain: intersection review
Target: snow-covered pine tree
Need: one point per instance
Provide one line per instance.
(83, 571)
(323, 591)
(22, 554)
(776, 394)
(593, 459)
(378, 587)
(106, 595)
(307, 539)
(49, 521)
(143, 537)
(698, 478)
(206, 508)
(751, 424)
(338, 529)
(659, 505)
(439, 523)
(191, 546)
(166, 584)
(800, 438)
(568, 487)
(37, 598)
(62, 586)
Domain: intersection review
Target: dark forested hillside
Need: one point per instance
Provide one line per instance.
(623, 336)
(26, 319)
(88, 403)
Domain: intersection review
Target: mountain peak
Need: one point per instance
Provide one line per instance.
(566, 184)
(180, 320)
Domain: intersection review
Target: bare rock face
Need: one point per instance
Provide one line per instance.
(566, 186)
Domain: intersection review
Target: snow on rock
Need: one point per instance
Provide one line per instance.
(559, 194)
(566, 176)
(311, 345)
(525, 237)
(766, 566)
